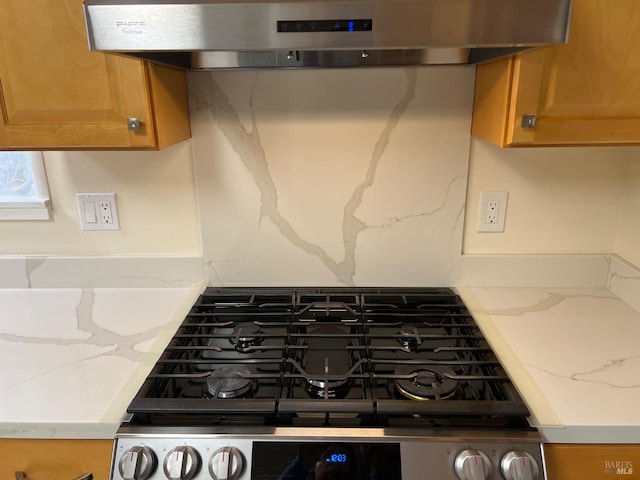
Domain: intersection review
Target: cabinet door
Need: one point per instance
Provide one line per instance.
(584, 92)
(592, 462)
(55, 459)
(56, 93)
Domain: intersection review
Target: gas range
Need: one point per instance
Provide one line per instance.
(315, 383)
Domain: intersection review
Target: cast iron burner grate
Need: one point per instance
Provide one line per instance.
(329, 356)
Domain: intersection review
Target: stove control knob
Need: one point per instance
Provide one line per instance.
(472, 465)
(137, 463)
(226, 464)
(518, 465)
(182, 463)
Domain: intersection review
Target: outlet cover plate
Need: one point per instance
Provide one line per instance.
(91, 217)
(498, 201)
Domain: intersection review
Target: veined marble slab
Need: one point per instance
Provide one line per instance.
(624, 281)
(573, 354)
(117, 271)
(72, 359)
(571, 271)
(362, 182)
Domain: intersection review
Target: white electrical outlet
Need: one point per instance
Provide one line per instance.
(492, 212)
(493, 207)
(98, 211)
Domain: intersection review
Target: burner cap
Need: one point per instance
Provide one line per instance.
(409, 338)
(429, 383)
(334, 388)
(225, 382)
(316, 389)
(245, 336)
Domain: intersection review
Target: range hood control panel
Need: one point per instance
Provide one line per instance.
(309, 26)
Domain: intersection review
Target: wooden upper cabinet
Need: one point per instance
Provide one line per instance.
(56, 94)
(586, 92)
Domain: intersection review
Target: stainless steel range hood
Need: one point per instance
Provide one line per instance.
(236, 34)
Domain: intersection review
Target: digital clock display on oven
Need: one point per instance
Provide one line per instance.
(307, 460)
(336, 458)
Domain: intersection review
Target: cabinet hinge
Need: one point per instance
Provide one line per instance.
(528, 121)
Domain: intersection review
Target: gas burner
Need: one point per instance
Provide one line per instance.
(227, 382)
(245, 336)
(297, 369)
(409, 338)
(327, 355)
(332, 388)
(429, 383)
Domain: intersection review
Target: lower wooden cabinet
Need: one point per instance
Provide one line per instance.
(592, 462)
(55, 459)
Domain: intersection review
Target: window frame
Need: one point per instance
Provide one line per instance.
(36, 206)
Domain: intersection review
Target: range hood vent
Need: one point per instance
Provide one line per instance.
(233, 34)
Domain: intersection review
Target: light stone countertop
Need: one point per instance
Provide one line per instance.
(574, 355)
(71, 359)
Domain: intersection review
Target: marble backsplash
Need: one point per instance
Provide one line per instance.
(333, 177)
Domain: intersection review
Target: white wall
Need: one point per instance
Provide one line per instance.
(156, 205)
(561, 200)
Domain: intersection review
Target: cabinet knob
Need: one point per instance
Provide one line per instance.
(133, 124)
(528, 121)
